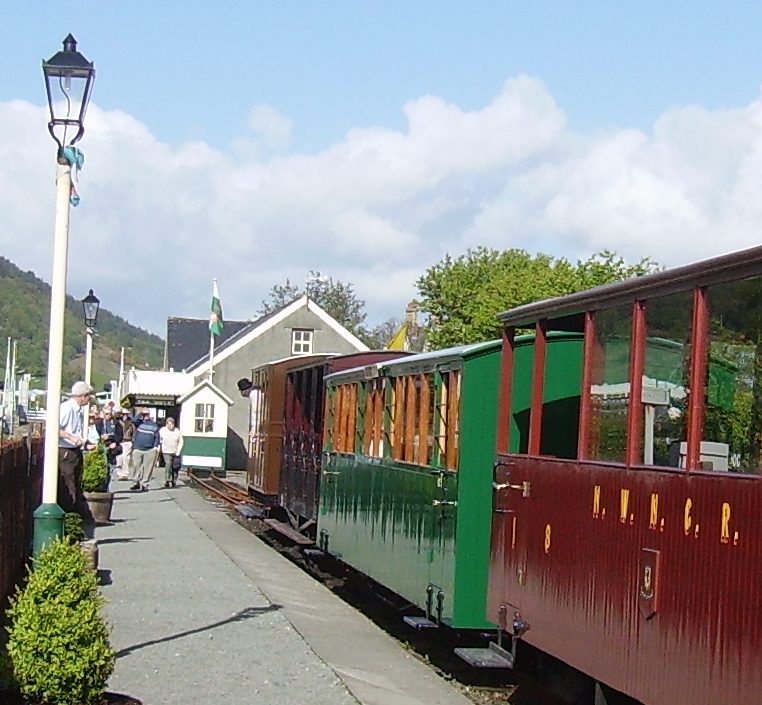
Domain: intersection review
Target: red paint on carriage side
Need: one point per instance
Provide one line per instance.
(572, 557)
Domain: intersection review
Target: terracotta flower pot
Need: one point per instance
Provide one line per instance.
(90, 548)
(100, 504)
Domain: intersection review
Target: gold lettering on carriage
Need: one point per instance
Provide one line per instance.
(688, 519)
(624, 503)
(596, 501)
(725, 526)
(654, 521)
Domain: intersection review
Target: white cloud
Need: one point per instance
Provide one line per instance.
(273, 128)
(158, 222)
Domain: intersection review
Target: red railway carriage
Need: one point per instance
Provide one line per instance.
(301, 463)
(630, 535)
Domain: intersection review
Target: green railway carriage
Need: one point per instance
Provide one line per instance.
(406, 495)
(407, 483)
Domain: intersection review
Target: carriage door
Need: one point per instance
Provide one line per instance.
(440, 405)
(258, 431)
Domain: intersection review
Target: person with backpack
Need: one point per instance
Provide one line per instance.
(145, 447)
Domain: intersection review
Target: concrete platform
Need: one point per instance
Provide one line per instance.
(204, 612)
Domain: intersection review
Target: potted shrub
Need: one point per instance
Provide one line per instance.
(95, 481)
(74, 532)
(57, 641)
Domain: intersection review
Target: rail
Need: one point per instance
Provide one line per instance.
(20, 495)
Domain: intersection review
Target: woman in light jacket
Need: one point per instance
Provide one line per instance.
(171, 448)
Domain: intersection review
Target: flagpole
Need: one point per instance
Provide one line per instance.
(211, 356)
(215, 325)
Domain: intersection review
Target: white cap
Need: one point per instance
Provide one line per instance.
(80, 389)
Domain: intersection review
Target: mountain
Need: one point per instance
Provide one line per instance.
(25, 316)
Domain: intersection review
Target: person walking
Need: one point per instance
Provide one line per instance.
(127, 471)
(171, 448)
(145, 445)
(71, 444)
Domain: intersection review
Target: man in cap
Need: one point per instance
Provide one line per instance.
(71, 443)
(145, 448)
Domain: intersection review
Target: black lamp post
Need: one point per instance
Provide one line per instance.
(69, 80)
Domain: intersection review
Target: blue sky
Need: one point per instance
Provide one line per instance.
(351, 132)
(194, 69)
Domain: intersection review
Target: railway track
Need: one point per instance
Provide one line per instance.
(384, 608)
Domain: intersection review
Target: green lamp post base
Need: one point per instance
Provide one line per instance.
(48, 526)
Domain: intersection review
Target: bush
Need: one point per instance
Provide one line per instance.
(58, 642)
(73, 527)
(95, 475)
(7, 681)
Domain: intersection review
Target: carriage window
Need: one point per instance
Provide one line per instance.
(561, 395)
(412, 419)
(521, 398)
(331, 401)
(733, 392)
(610, 386)
(373, 429)
(345, 419)
(445, 405)
(666, 379)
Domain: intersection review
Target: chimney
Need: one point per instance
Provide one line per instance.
(411, 313)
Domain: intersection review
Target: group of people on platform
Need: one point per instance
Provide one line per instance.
(134, 444)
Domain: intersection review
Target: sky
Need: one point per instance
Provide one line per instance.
(255, 141)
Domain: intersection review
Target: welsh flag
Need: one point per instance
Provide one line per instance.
(215, 317)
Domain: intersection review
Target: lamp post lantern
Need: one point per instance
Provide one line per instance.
(69, 80)
(90, 305)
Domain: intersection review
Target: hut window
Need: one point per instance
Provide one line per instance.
(731, 438)
(204, 418)
(301, 341)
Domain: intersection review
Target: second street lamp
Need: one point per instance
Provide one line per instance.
(90, 305)
(69, 80)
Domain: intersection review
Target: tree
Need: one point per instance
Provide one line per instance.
(337, 298)
(463, 295)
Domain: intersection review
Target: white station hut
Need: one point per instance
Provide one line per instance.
(204, 426)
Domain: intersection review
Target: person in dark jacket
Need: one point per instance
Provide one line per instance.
(145, 444)
(128, 431)
(110, 432)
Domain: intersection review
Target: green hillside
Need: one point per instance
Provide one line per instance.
(24, 315)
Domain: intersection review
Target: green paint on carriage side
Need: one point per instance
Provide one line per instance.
(478, 428)
(380, 515)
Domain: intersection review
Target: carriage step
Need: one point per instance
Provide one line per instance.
(493, 656)
(420, 622)
(290, 533)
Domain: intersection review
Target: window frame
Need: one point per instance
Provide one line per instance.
(204, 417)
(302, 342)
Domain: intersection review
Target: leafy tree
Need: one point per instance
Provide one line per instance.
(279, 296)
(463, 295)
(334, 296)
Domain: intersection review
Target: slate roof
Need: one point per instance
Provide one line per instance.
(188, 339)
